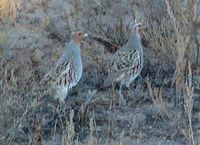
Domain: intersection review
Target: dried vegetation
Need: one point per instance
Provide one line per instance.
(163, 107)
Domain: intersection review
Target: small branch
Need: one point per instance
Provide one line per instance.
(111, 47)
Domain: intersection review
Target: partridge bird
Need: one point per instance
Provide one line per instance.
(68, 69)
(127, 62)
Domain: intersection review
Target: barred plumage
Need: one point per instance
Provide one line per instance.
(127, 62)
(68, 69)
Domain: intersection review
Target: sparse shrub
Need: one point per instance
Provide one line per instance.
(157, 98)
(170, 31)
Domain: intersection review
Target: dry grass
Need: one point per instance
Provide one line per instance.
(170, 31)
(9, 8)
(4, 6)
(173, 35)
(88, 116)
(69, 133)
(157, 98)
(188, 102)
(91, 138)
(183, 36)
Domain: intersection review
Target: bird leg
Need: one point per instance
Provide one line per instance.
(122, 101)
(128, 84)
(130, 90)
(114, 96)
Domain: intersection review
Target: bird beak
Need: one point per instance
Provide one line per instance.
(142, 31)
(85, 35)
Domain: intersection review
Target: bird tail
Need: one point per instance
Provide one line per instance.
(44, 80)
(108, 81)
(47, 78)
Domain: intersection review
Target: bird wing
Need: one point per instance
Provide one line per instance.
(125, 60)
(121, 62)
(59, 70)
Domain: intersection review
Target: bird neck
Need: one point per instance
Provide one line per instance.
(73, 47)
(134, 39)
(77, 42)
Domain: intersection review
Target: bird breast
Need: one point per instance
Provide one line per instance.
(79, 69)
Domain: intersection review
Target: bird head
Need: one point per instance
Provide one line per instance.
(138, 27)
(78, 36)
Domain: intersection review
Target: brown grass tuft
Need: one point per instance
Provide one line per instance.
(9, 8)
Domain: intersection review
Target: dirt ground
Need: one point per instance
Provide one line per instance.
(162, 107)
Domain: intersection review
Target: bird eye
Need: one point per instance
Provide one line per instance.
(79, 34)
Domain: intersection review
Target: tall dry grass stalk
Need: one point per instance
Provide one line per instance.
(68, 139)
(196, 25)
(4, 6)
(91, 139)
(188, 102)
(183, 27)
(8, 8)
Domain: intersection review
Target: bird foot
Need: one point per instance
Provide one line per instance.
(130, 90)
(122, 101)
